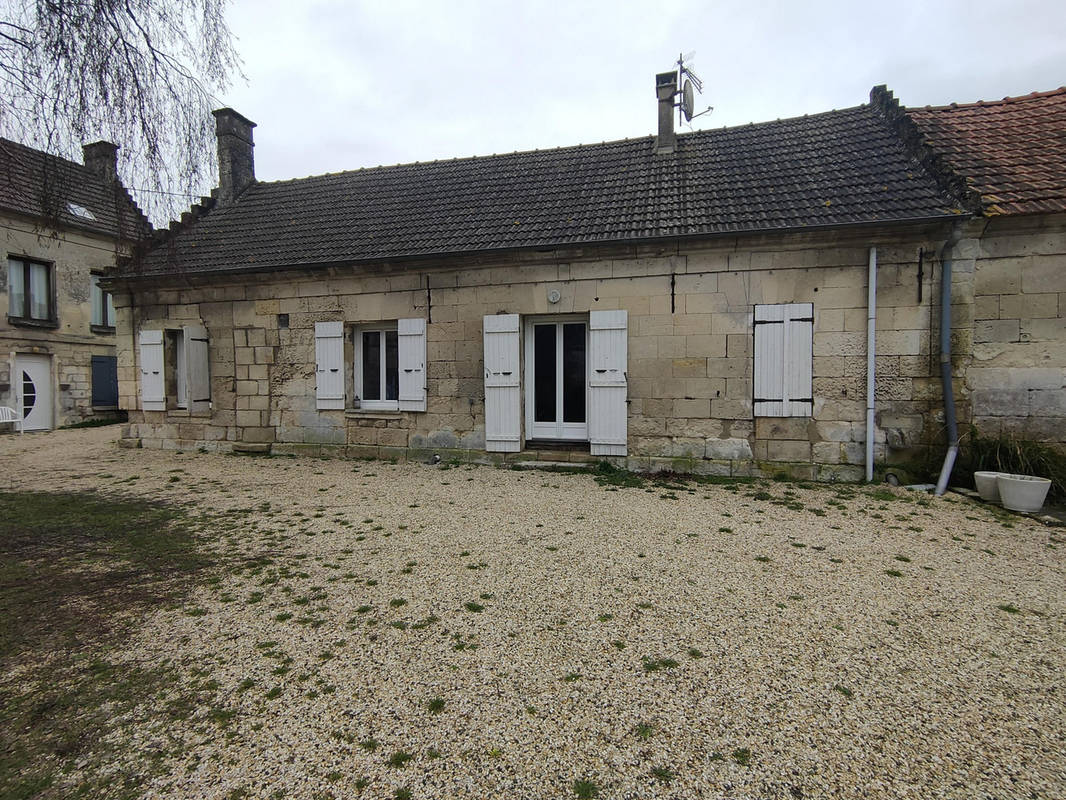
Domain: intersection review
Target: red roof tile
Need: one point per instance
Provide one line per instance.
(1011, 151)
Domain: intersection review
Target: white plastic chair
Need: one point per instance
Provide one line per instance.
(10, 415)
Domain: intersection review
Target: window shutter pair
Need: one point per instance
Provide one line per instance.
(784, 336)
(411, 356)
(608, 412)
(196, 369)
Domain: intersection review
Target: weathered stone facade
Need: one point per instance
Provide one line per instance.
(690, 347)
(72, 341)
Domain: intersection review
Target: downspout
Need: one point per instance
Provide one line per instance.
(871, 355)
(945, 361)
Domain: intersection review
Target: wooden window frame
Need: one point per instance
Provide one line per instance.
(25, 318)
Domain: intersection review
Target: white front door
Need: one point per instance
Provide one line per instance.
(33, 380)
(557, 379)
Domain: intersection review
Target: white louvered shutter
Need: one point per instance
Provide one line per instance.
(503, 424)
(153, 384)
(411, 346)
(329, 365)
(608, 411)
(784, 337)
(197, 371)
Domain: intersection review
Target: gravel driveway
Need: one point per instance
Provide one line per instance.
(394, 630)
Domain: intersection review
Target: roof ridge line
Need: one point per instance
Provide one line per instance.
(1001, 102)
(918, 147)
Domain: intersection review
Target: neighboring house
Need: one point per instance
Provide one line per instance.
(696, 302)
(63, 225)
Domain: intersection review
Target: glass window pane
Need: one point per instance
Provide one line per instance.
(371, 365)
(39, 291)
(109, 318)
(16, 288)
(574, 372)
(392, 371)
(544, 373)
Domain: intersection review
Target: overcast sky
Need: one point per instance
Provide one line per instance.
(343, 84)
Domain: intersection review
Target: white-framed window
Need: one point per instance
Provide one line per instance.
(784, 353)
(377, 365)
(175, 369)
(103, 306)
(29, 290)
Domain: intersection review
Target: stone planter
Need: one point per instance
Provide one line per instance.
(1022, 492)
(987, 486)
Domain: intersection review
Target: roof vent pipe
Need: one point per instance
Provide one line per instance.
(236, 161)
(666, 90)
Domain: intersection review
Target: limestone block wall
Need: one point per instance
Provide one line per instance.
(690, 348)
(72, 343)
(1017, 375)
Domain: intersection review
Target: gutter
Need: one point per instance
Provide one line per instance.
(871, 363)
(945, 361)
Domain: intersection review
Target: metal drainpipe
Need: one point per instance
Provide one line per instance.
(945, 362)
(871, 355)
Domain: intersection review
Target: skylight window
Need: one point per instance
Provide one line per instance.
(80, 211)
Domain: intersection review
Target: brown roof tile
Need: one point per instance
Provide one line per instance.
(1011, 151)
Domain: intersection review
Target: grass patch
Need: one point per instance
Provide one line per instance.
(1010, 608)
(399, 758)
(586, 789)
(99, 565)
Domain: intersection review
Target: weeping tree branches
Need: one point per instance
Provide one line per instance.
(139, 73)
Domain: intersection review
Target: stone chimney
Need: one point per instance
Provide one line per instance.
(101, 159)
(236, 163)
(666, 90)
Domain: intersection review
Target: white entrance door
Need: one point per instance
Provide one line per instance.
(557, 379)
(33, 379)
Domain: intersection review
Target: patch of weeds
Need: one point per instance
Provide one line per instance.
(435, 706)
(893, 573)
(644, 604)
(836, 560)
(844, 690)
(474, 607)
(245, 685)
(585, 790)
(399, 758)
(763, 559)
(742, 756)
(402, 793)
(657, 664)
(663, 775)
(273, 693)
(370, 745)
(618, 644)
(570, 677)
(797, 544)
(904, 559)
(605, 617)
(1010, 608)
(397, 602)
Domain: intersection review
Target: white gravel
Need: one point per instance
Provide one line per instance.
(839, 679)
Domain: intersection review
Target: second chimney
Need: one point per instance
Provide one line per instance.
(236, 163)
(666, 90)
(101, 159)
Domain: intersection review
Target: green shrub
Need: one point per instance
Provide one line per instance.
(1007, 453)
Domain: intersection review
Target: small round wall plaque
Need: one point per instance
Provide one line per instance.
(554, 296)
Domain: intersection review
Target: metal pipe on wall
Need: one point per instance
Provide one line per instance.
(871, 355)
(945, 362)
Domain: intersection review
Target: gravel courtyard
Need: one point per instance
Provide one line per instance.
(404, 630)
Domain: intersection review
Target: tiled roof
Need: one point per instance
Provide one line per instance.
(837, 168)
(1011, 151)
(40, 185)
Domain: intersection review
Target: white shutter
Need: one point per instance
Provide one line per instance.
(153, 384)
(783, 357)
(329, 365)
(197, 371)
(608, 354)
(411, 344)
(502, 399)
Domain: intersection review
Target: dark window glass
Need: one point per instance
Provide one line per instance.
(544, 373)
(392, 370)
(371, 365)
(574, 372)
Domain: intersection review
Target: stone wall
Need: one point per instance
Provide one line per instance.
(690, 349)
(1017, 376)
(72, 344)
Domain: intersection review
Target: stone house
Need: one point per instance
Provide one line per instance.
(63, 226)
(751, 299)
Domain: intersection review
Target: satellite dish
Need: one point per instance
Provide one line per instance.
(687, 99)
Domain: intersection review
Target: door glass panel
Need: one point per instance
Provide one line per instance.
(574, 372)
(544, 373)
(371, 365)
(29, 394)
(392, 369)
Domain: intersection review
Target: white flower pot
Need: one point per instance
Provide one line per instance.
(1022, 492)
(987, 486)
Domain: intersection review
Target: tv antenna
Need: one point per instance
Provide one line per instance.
(688, 80)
